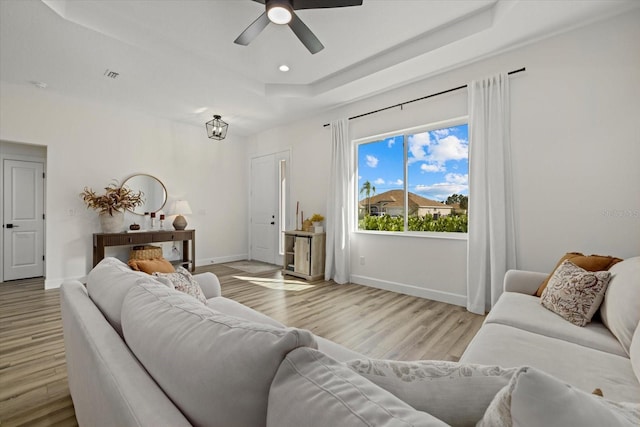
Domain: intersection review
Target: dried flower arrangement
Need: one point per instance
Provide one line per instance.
(115, 199)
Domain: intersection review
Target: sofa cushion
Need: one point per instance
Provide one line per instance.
(216, 368)
(582, 367)
(150, 266)
(455, 393)
(525, 312)
(574, 293)
(108, 284)
(310, 389)
(589, 263)
(181, 280)
(621, 307)
(233, 308)
(535, 398)
(106, 381)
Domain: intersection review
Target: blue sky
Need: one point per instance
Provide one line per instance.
(438, 163)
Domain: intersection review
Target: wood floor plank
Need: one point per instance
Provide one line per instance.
(33, 378)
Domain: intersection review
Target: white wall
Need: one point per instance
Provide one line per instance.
(576, 148)
(90, 144)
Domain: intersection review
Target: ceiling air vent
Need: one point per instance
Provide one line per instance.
(111, 74)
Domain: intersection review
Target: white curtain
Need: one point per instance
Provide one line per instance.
(340, 204)
(491, 245)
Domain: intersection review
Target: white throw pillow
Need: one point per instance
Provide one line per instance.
(621, 307)
(534, 398)
(456, 393)
(575, 293)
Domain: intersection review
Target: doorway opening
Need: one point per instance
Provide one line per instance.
(22, 210)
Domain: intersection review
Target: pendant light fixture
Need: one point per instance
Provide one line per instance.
(216, 128)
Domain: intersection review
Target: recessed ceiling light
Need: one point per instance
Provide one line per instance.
(284, 68)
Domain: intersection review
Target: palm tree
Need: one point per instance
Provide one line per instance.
(368, 191)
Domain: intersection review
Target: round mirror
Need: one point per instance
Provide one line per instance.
(153, 190)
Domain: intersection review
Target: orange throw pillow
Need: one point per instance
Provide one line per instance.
(588, 262)
(150, 266)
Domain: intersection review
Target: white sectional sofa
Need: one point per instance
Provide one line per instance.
(604, 354)
(140, 353)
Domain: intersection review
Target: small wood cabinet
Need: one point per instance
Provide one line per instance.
(102, 240)
(304, 254)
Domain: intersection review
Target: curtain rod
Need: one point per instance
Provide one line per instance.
(402, 104)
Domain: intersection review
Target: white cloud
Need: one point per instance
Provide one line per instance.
(372, 161)
(455, 183)
(379, 181)
(436, 153)
(391, 142)
(448, 148)
(457, 178)
(425, 167)
(397, 182)
(418, 145)
(439, 133)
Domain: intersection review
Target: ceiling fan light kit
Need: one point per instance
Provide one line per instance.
(281, 12)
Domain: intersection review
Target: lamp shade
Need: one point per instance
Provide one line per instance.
(181, 207)
(217, 128)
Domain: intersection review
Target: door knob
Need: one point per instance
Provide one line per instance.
(12, 226)
(273, 223)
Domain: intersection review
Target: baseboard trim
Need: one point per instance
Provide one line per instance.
(220, 260)
(412, 290)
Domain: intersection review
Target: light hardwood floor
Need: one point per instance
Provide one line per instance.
(377, 323)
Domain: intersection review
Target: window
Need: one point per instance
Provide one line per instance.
(415, 180)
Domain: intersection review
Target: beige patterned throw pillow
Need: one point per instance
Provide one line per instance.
(183, 281)
(575, 293)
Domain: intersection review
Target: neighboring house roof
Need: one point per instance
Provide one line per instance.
(395, 198)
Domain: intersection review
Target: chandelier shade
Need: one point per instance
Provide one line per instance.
(217, 128)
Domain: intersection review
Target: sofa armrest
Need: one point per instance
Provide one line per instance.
(524, 282)
(209, 283)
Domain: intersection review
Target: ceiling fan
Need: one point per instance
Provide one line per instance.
(282, 12)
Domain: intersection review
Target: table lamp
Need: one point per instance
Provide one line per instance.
(181, 207)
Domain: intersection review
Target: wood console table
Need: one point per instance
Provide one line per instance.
(102, 240)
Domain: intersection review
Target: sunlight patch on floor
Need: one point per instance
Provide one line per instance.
(278, 284)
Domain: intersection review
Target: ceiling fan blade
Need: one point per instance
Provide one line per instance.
(305, 35)
(321, 4)
(253, 30)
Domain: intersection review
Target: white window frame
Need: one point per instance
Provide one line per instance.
(405, 133)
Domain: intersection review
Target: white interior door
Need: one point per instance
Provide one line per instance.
(23, 227)
(264, 208)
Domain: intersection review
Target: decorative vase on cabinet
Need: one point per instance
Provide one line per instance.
(112, 223)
